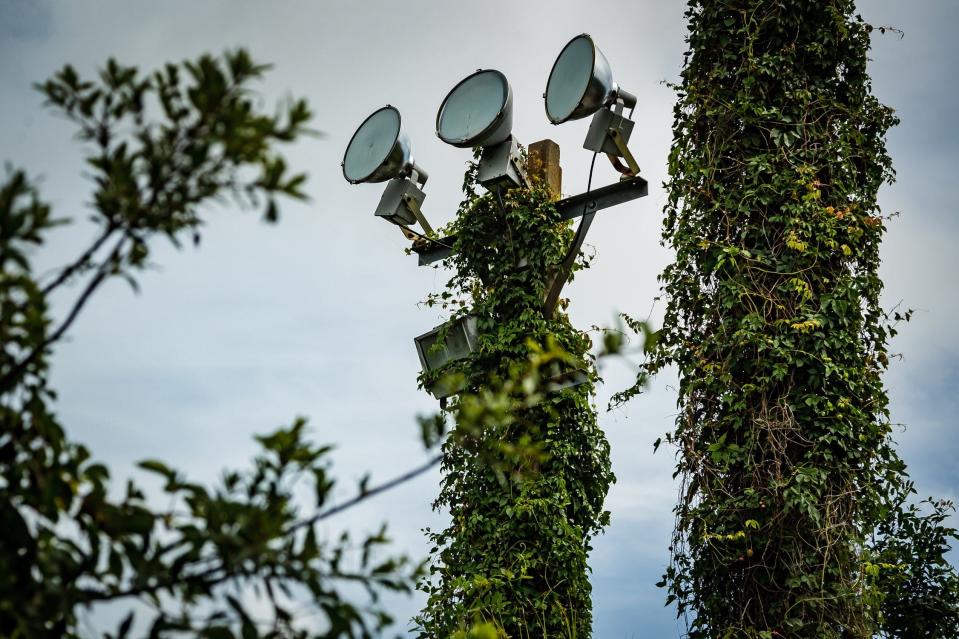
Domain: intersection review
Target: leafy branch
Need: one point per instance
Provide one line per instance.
(165, 146)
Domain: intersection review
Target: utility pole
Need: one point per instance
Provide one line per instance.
(525, 485)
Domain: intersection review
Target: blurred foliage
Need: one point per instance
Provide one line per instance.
(791, 519)
(238, 559)
(526, 468)
(920, 588)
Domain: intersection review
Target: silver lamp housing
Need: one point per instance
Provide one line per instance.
(379, 151)
(478, 112)
(581, 84)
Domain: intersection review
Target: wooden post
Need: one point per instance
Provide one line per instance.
(542, 163)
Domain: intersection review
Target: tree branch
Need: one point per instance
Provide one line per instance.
(68, 271)
(363, 496)
(210, 573)
(8, 380)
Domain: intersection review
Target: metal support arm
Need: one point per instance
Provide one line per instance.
(620, 143)
(414, 206)
(569, 208)
(559, 279)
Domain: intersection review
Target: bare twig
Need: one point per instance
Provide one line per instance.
(366, 494)
(8, 380)
(81, 261)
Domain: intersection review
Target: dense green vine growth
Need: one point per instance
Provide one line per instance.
(774, 322)
(525, 490)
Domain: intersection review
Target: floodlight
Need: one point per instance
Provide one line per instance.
(581, 84)
(460, 341)
(380, 151)
(478, 111)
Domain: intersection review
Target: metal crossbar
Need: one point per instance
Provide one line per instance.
(569, 208)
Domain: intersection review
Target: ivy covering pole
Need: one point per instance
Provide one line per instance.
(525, 492)
(794, 516)
(774, 323)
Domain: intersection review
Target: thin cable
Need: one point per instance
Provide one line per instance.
(589, 182)
(509, 229)
(499, 197)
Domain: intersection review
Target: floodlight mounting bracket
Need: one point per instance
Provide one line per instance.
(434, 250)
(501, 166)
(400, 203)
(416, 173)
(414, 207)
(413, 236)
(619, 95)
(600, 139)
(624, 152)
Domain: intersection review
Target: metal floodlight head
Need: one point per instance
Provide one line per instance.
(581, 83)
(380, 150)
(477, 112)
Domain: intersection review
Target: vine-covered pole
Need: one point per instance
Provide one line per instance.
(774, 322)
(525, 482)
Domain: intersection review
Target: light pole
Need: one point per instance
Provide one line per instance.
(513, 283)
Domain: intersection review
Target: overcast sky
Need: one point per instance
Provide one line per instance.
(316, 316)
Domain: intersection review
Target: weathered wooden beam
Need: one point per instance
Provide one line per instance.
(542, 163)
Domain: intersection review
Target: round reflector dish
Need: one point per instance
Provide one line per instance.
(473, 112)
(569, 78)
(580, 82)
(371, 147)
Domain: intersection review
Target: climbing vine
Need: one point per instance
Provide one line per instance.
(525, 484)
(774, 323)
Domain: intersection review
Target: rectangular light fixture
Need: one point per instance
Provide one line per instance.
(461, 337)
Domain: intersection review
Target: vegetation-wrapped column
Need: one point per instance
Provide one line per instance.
(525, 484)
(774, 322)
